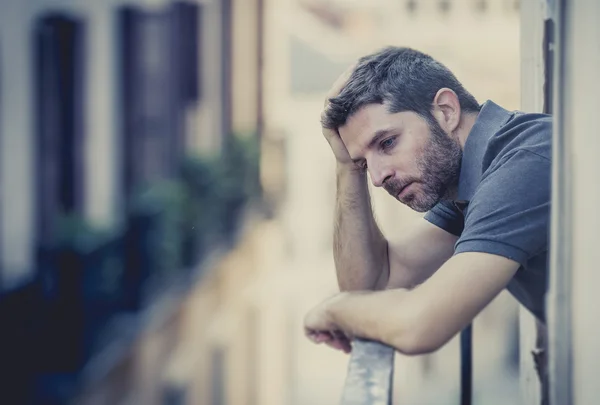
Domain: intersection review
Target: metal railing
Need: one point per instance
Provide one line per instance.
(371, 371)
(370, 374)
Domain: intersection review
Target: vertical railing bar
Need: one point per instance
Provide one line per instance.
(466, 366)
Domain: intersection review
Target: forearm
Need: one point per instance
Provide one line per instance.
(383, 316)
(360, 249)
(423, 319)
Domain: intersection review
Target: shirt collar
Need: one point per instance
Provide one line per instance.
(490, 119)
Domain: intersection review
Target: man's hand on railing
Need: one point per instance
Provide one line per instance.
(370, 370)
(320, 328)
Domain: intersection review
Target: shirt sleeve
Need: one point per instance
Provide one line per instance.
(509, 214)
(446, 216)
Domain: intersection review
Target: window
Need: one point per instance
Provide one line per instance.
(59, 95)
(159, 78)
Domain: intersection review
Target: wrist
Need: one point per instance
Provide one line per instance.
(338, 311)
(331, 310)
(350, 169)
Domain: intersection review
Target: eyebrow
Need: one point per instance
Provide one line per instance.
(382, 133)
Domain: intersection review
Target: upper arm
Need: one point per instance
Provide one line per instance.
(506, 225)
(447, 302)
(418, 253)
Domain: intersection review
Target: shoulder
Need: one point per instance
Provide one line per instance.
(509, 213)
(526, 135)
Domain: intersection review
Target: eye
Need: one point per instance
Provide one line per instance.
(388, 143)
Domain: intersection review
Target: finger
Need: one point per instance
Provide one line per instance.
(340, 344)
(343, 340)
(335, 344)
(346, 346)
(323, 119)
(327, 338)
(324, 337)
(319, 337)
(342, 80)
(333, 138)
(340, 83)
(331, 134)
(311, 334)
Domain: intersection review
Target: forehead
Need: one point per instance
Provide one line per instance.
(361, 127)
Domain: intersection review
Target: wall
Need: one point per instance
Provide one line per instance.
(16, 144)
(574, 322)
(532, 99)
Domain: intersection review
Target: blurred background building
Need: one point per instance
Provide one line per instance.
(167, 197)
(127, 173)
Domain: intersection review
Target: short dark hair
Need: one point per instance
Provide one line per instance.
(403, 78)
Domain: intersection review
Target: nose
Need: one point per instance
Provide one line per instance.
(380, 174)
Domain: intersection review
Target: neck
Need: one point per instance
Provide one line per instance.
(464, 129)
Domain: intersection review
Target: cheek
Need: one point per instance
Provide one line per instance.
(405, 158)
(417, 152)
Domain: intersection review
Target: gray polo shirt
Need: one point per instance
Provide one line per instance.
(503, 203)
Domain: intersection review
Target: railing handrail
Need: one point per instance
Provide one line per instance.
(370, 374)
(371, 371)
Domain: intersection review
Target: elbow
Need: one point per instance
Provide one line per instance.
(415, 347)
(413, 344)
(417, 338)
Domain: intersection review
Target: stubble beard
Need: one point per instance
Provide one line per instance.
(439, 166)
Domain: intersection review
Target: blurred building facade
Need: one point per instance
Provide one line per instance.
(117, 120)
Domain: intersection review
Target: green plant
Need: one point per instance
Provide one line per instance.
(200, 211)
(93, 250)
(241, 158)
(220, 186)
(161, 205)
(204, 201)
(73, 231)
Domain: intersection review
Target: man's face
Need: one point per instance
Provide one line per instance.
(416, 162)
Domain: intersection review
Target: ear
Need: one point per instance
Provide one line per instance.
(446, 110)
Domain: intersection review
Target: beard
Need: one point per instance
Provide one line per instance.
(439, 167)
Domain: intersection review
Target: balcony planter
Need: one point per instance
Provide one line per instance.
(154, 238)
(217, 188)
(239, 172)
(202, 207)
(81, 275)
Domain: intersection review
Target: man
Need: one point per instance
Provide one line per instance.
(480, 173)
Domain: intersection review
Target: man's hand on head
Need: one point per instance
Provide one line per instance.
(331, 134)
(339, 84)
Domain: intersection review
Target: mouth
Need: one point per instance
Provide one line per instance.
(403, 191)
